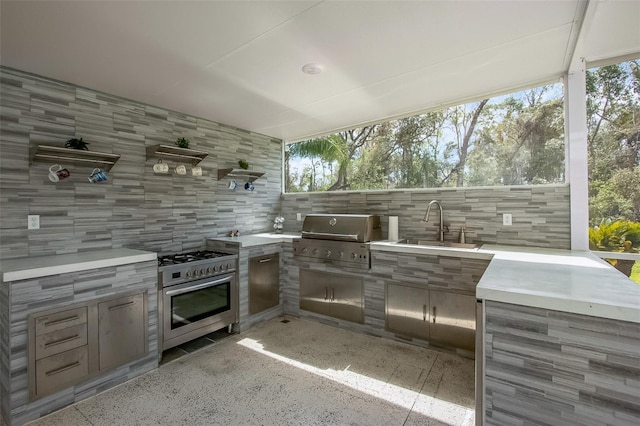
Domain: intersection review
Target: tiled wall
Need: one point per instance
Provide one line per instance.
(541, 216)
(558, 368)
(134, 208)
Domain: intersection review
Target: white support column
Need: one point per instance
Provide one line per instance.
(577, 168)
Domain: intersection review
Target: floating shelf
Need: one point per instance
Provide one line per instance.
(181, 155)
(239, 173)
(89, 158)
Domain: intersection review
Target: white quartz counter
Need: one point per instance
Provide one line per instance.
(253, 240)
(561, 280)
(25, 268)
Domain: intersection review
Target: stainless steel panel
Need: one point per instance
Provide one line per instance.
(407, 310)
(479, 363)
(60, 371)
(342, 227)
(60, 320)
(314, 292)
(338, 296)
(264, 282)
(54, 342)
(453, 319)
(122, 330)
(339, 253)
(347, 298)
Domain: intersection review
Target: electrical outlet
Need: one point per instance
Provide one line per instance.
(298, 217)
(33, 221)
(507, 219)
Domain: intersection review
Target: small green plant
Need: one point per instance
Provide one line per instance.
(243, 164)
(182, 143)
(76, 144)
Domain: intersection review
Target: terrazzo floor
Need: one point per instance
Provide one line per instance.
(290, 372)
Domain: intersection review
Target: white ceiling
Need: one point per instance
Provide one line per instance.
(240, 62)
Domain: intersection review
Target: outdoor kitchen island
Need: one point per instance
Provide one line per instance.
(561, 341)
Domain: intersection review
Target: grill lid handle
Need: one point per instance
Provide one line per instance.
(329, 236)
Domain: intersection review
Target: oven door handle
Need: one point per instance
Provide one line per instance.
(199, 286)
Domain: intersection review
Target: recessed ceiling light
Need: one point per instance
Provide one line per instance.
(312, 68)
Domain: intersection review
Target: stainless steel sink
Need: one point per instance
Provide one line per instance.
(439, 244)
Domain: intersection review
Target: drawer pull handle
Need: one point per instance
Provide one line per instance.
(326, 290)
(61, 369)
(333, 294)
(60, 321)
(269, 259)
(424, 312)
(61, 341)
(434, 314)
(120, 306)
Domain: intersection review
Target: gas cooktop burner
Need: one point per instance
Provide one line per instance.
(192, 256)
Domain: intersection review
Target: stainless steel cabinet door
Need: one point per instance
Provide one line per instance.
(338, 296)
(315, 292)
(264, 282)
(407, 310)
(122, 330)
(347, 298)
(453, 319)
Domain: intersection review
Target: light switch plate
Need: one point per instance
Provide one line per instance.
(507, 219)
(298, 217)
(33, 221)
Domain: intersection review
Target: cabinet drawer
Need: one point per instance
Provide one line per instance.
(54, 342)
(60, 320)
(60, 371)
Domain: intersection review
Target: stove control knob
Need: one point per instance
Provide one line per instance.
(315, 251)
(203, 271)
(328, 253)
(354, 255)
(228, 266)
(210, 270)
(340, 254)
(215, 268)
(305, 250)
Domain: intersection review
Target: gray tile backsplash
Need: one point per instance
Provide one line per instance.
(134, 208)
(138, 209)
(541, 216)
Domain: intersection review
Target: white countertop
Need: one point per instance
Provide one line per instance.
(253, 240)
(25, 268)
(561, 280)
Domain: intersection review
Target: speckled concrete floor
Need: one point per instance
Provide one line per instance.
(294, 373)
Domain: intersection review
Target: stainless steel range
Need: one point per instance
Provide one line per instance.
(339, 239)
(198, 294)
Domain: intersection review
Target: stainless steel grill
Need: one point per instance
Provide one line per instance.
(339, 239)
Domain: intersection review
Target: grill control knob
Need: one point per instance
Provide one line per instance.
(315, 251)
(354, 255)
(340, 254)
(305, 250)
(328, 253)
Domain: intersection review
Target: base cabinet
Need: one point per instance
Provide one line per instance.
(121, 331)
(439, 316)
(264, 282)
(70, 345)
(334, 295)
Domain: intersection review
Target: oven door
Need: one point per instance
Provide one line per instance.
(198, 307)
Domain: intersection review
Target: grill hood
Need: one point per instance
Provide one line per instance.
(359, 228)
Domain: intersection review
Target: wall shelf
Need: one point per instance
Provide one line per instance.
(179, 155)
(88, 158)
(239, 173)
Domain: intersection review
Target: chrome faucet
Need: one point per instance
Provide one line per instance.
(442, 225)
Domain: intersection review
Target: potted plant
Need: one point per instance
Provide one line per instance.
(243, 164)
(182, 143)
(77, 144)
